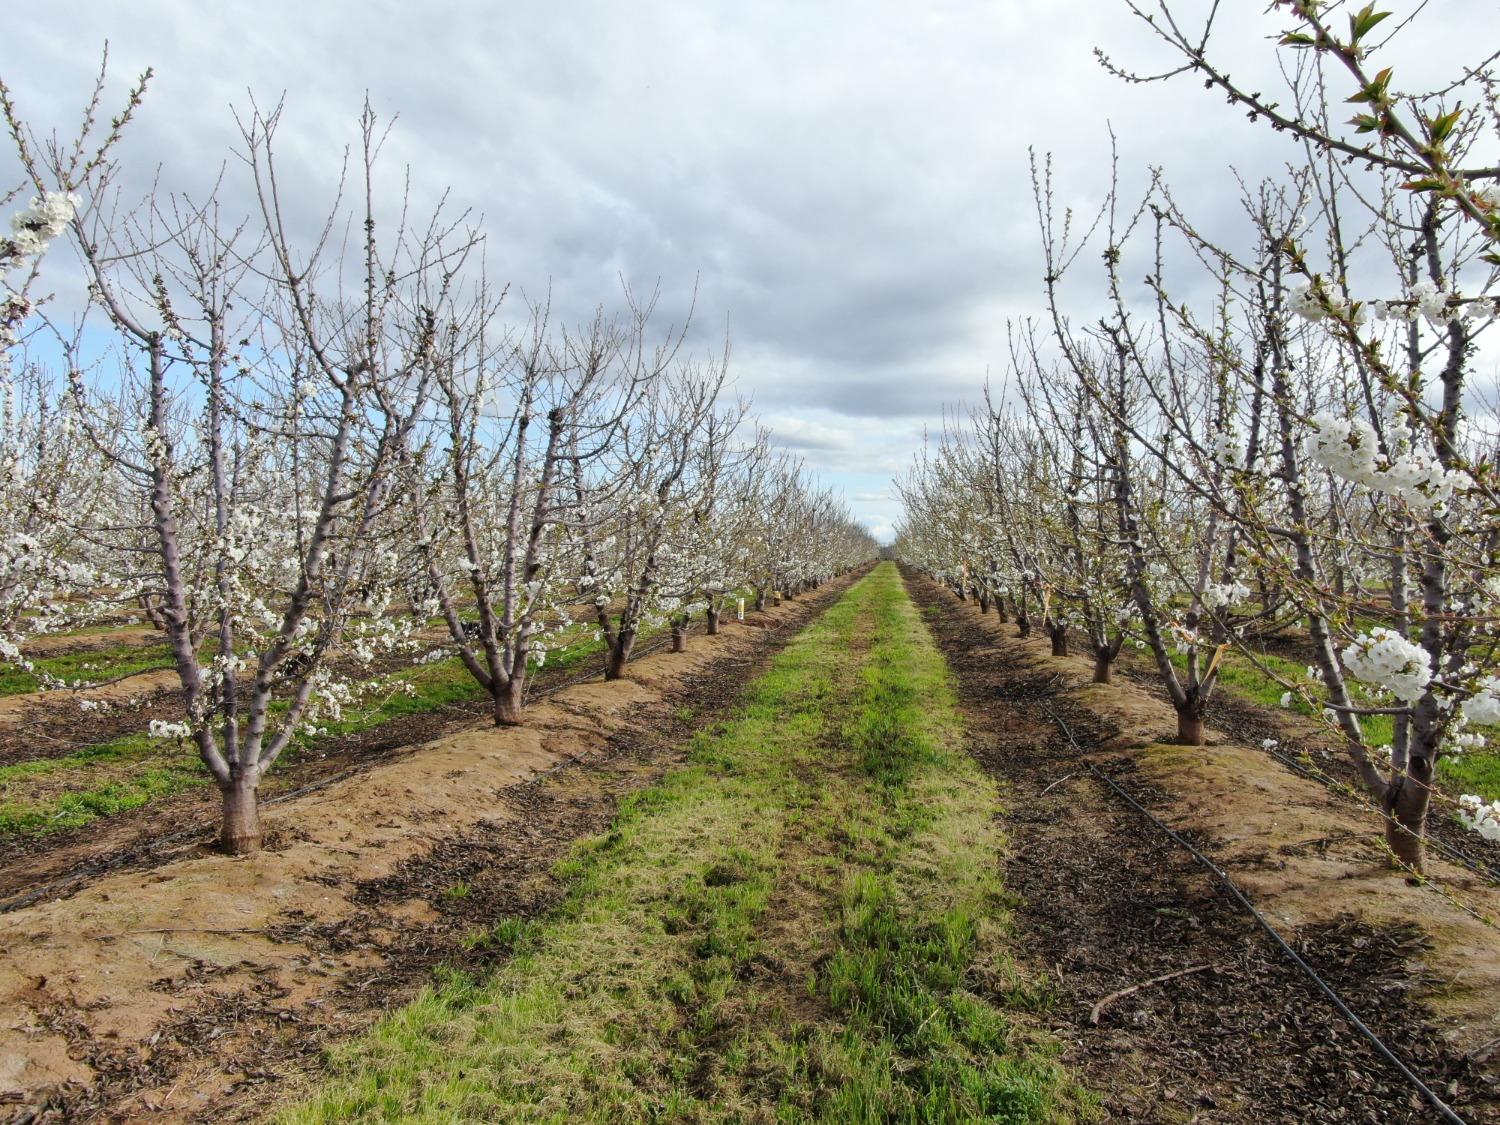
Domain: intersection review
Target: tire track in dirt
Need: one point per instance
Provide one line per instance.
(1104, 902)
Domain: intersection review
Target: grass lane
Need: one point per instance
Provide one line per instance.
(804, 923)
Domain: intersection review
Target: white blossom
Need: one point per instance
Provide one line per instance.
(1385, 659)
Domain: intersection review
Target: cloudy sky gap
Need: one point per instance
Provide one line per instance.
(845, 182)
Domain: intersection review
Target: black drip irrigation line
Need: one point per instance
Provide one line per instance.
(1453, 855)
(1232, 888)
(1484, 871)
(87, 873)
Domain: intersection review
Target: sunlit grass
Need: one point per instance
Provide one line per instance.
(93, 666)
(805, 923)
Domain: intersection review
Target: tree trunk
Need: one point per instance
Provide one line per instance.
(1059, 635)
(713, 620)
(619, 654)
(1023, 624)
(508, 703)
(1104, 664)
(1406, 806)
(984, 601)
(1000, 609)
(679, 638)
(1190, 729)
(239, 831)
(760, 601)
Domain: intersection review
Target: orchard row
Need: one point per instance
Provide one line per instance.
(300, 454)
(1287, 425)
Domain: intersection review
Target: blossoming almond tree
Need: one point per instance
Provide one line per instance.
(516, 417)
(628, 506)
(1372, 279)
(265, 407)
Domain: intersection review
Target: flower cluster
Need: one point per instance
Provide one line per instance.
(1348, 448)
(1222, 595)
(1437, 306)
(161, 728)
(1483, 707)
(1482, 818)
(1385, 659)
(1228, 449)
(47, 217)
(1313, 302)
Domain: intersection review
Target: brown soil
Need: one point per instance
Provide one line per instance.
(26, 707)
(52, 724)
(167, 828)
(62, 644)
(192, 989)
(1105, 901)
(1317, 755)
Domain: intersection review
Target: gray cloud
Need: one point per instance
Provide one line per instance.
(847, 181)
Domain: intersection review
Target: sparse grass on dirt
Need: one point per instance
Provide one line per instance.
(99, 780)
(89, 666)
(805, 923)
(52, 794)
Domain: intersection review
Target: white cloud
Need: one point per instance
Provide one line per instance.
(848, 181)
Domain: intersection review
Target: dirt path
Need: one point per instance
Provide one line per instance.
(182, 824)
(805, 923)
(183, 991)
(1105, 902)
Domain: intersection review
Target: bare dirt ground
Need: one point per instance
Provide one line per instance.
(191, 985)
(1299, 736)
(181, 824)
(1104, 901)
(25, 707)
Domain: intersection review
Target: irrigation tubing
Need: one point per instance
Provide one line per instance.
(1232, 888)
(1484, 871)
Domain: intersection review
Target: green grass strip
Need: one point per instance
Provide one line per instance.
(804, 923)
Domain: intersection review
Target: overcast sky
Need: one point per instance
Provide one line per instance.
(847, 181)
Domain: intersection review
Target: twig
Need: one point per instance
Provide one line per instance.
(1055, 784)
(1113, 996)
(1483, 1051)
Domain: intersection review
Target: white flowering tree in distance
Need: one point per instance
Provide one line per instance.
(517, 417)
(1298, 440)
(633, 499)
(254, 406)
(48, 579)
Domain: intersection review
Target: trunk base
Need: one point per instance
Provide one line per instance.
(1103, 669)
(1406, 811)
(713, 623)
(1059, 644)
(619, 656)
(508, 707)
(679, 640)
(1190, 730)
(239, 831)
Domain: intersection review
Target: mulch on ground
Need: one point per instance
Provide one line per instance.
(1104, 902)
